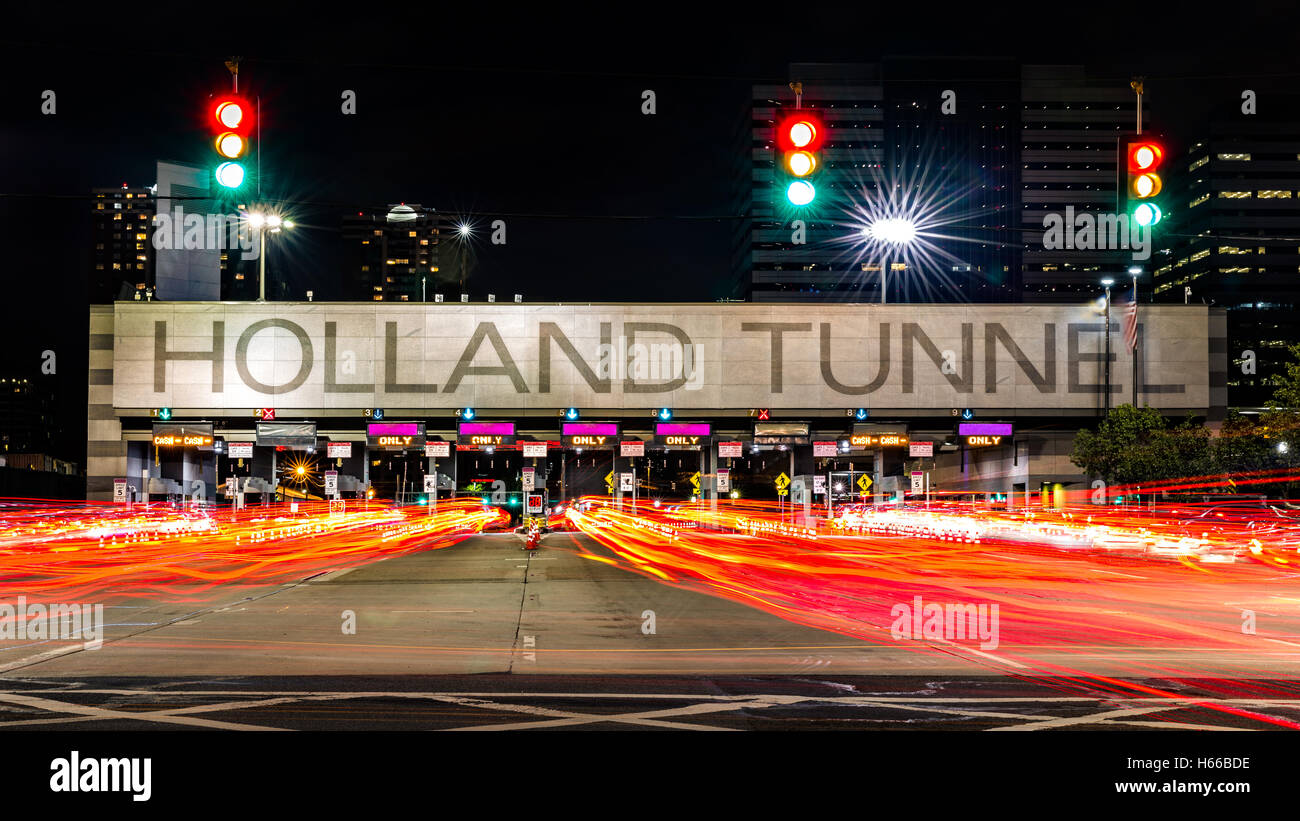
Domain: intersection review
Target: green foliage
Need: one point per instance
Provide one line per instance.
(1286, 398)
(1135, 445)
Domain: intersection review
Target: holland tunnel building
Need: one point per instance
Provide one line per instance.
(813, 405)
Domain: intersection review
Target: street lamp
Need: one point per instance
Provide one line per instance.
(1107, 282)
(464, 231)
(891, 231)
(264, 223)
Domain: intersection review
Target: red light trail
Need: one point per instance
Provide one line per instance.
(1086, 599)
(56, 552)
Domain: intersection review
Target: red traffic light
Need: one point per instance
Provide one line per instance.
(800, 131)
(1144, 156)
(232, 114)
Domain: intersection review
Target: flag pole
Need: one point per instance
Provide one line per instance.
(1135, 337)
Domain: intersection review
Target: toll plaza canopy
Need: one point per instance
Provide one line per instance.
(316, 361)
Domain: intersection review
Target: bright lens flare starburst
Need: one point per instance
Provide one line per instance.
(911, 217)
(300, 471)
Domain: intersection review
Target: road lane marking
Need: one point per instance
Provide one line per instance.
(84, 712)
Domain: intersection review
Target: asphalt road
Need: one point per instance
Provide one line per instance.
(481, 635)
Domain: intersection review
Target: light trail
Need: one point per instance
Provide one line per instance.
(60, 553)
(1152, 585)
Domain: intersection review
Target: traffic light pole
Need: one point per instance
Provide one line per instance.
(261, 264)
(1108, 350)
(1138, 86)
(1135, 348)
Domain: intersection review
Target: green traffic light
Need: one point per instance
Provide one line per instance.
(800, 192)
(230, 174)
(1147, 214)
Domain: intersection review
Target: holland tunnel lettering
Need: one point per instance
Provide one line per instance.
(199, 355)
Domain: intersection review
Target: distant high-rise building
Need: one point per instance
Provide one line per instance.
(1231, 238)
(122, 248)
(975, 151)
(1069, 131)
(26, 415)
(391, 256)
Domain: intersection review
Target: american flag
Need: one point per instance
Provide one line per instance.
(1131, 321)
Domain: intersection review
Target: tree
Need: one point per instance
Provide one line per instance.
(1121, 448)
(1287, 394)
(1242, 446)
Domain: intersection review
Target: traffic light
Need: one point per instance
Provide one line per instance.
(1141, 161)
(231, 123)
(799, 139)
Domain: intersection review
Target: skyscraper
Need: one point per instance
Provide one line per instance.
(391, 255)
(122, 248)
(1232, 238)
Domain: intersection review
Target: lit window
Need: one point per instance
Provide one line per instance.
(1198, 163)
(1241, 157)
(1199, 200)
(1235, 195)
(1273, 195)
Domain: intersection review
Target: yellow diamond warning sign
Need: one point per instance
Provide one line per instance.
(864, 482)
(782, 482)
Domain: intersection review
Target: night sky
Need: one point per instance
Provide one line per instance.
(533, 117)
